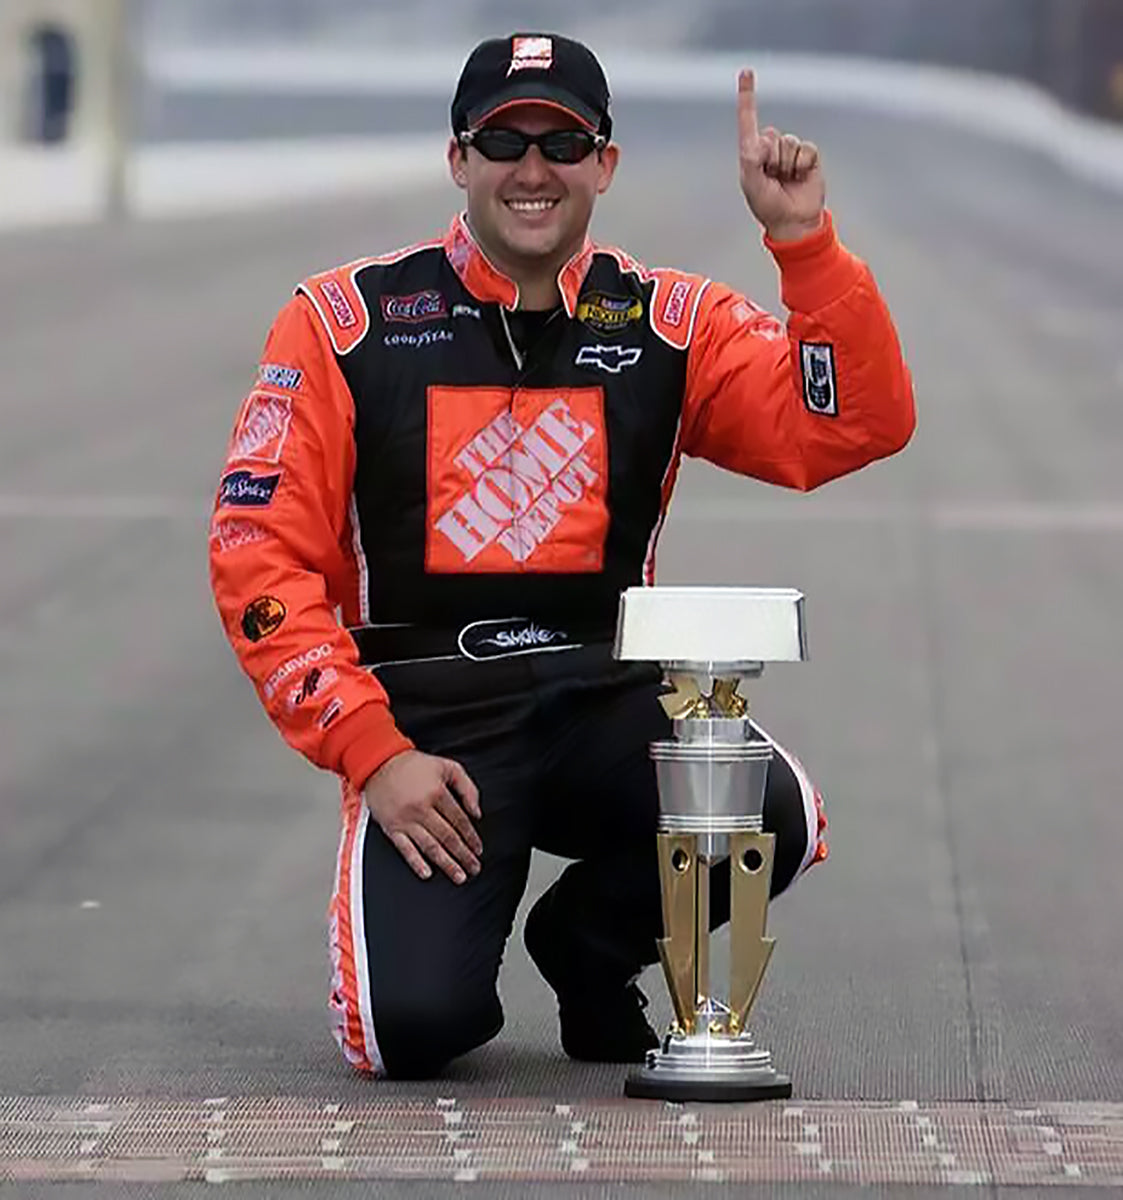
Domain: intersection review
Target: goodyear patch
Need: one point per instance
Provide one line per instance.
(609, 314)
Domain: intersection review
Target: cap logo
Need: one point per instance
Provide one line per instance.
(537, 52)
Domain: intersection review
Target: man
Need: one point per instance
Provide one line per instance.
(454, 458)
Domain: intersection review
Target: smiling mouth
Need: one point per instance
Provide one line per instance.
(531, 207)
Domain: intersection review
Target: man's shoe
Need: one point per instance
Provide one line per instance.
(612, 1029)
(600, 1021)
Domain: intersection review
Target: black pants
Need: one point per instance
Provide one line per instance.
(557, 745)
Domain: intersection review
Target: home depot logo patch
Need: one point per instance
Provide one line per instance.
(517, 481)
(536, 52)
(262, 427)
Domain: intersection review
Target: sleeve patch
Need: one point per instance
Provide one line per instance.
(262, 427)
(341, 307)
(280, 375)
(674, 307)
(820, 381)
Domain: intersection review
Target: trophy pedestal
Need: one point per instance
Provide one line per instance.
(704, 1068)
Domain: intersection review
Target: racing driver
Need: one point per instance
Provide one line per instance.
(452, 460)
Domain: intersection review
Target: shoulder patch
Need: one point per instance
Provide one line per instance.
(336, 296)
(340, 305)
(674, 306)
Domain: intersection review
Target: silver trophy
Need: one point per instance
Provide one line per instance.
(711, 775)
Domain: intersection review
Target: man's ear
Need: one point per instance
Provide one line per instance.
(609, 157)
(458, 163)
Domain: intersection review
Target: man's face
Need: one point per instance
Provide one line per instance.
(531, 211)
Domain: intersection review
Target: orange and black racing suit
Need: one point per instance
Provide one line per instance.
(430, 506)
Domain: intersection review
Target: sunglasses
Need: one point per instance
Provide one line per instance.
(556, 146)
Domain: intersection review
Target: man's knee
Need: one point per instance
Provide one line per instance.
(418, 1036)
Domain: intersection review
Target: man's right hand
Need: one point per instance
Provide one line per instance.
(423, 804)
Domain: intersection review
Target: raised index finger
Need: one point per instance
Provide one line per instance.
(746, 108)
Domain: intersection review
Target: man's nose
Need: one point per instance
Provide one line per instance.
(533, 168)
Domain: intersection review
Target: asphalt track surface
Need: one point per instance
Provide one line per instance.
(165, 861)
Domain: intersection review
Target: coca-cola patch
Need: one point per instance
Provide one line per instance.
(262, 428)
(429, 305)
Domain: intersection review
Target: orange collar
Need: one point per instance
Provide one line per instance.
(488, 284)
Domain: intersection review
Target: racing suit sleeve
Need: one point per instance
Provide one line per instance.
(280, 554)
(805, 405)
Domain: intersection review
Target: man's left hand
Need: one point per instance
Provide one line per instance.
(781, 176)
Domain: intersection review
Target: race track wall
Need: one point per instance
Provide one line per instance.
(1074, 48)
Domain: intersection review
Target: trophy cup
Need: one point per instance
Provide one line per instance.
(711, 778)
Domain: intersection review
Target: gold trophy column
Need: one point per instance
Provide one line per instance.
(750, 864)
(678, 951)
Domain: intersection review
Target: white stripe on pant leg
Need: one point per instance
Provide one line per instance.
(339, 859)
(359, 943)
(810, 811)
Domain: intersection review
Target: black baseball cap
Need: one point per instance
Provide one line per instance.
(542, 67)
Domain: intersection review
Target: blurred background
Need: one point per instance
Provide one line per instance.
(1071, 48)
(1074, 48)
(170, 170)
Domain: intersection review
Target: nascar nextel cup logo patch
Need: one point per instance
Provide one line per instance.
(517, 481)
(609, 314)
(820, 385)
(262, 616)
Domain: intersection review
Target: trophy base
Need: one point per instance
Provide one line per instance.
(708, 1068)
(652, 1084)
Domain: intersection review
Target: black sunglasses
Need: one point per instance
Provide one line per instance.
(556, 146)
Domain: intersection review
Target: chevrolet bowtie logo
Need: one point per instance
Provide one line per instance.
(609, 358)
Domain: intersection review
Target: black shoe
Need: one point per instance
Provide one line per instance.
(613, 1029)
(601, 1021)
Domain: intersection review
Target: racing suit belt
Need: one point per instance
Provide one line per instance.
(478, 641)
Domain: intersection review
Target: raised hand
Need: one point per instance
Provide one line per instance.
(781, 175)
